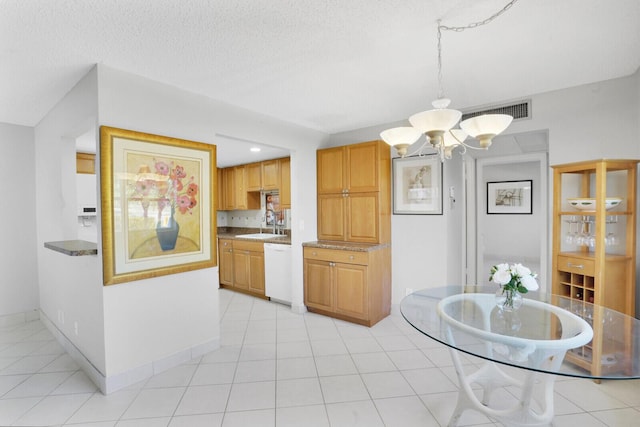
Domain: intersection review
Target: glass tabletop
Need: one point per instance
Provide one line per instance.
(467, 319)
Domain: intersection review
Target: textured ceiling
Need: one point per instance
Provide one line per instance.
(329, 65)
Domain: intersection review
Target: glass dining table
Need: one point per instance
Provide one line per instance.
(525, 349)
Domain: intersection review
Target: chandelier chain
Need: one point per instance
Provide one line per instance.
(460, 29)
(479, 23)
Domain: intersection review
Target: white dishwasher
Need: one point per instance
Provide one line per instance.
(277, 272)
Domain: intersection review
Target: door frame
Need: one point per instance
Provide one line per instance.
(473, 179)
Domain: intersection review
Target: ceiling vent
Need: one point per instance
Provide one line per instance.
(520, 110)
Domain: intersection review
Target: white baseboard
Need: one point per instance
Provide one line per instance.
(109, 384)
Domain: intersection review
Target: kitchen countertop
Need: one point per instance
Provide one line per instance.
(73, 247)
(346, 246)
(233, 232)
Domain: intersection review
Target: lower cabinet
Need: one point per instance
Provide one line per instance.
(242, 266)
(352, 285)
(225, 268)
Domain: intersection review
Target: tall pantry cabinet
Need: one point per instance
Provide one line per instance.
(347, 272)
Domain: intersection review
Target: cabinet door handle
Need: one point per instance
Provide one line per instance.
(570, 264)
(351, 257)
(314, 253)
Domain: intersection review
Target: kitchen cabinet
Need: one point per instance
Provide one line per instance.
(241, 185)
(85, 163)
(599, 271)
(225, 249)
(354, 193)
(229, 194)
(220, 189)
(352, 285)
(285, 183)
(263, 176)
(235, 195)
(242, 266)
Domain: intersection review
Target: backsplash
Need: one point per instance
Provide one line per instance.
(248, 219)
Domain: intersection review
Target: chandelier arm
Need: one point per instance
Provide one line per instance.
(419, 150)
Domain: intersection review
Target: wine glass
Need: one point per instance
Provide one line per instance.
(570, 237)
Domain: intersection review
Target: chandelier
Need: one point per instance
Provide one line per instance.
(437, 124)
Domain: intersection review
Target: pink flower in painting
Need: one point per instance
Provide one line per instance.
(183, 203)
(167, 189)
(144, 186)
(162, 168)
(192, 189)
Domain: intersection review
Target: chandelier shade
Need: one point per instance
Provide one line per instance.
(485, 127)
(437, 124)
(401, 138)
(436, 121)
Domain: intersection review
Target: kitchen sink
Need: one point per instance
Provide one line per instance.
(259, 236)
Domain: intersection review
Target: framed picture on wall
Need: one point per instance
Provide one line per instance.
(510, 197)
(157, 205)
(417, 185)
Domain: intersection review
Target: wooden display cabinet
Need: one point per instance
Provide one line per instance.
(601, 274)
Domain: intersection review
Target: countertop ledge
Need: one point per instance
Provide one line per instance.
(73, 247)
(346, 246)
(233, 232)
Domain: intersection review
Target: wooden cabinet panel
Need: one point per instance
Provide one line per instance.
(351, 290)
(271, 175)
(240, 188)
(256, 272)
(241, 269)
(331, 165)
(362, 167)
(363, 217)
(331, 217)
(229, 196)
(285, 183)
(220, 189)
(225, 248)
(85, 163)
(318, 284)
(254, 176)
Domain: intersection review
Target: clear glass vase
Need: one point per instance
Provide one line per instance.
(508, 299)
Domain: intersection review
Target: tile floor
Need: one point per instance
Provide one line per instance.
(277, 368)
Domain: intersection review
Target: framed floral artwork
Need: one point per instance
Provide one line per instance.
(509, 197)
(417, 185)
(157, 198)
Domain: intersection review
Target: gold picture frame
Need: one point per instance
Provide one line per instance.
(158, 214)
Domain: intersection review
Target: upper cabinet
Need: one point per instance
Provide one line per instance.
(263, 175)
(85, 163)
(352, 168)
(285, 183)
(241, 185)
(354, 193)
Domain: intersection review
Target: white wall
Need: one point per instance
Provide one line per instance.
(70, 287)
(146, 320)
(19, 283)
